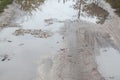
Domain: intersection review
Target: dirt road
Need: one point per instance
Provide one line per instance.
(51, 47)
(83, 42)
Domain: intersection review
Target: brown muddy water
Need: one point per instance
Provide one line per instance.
(21, 48)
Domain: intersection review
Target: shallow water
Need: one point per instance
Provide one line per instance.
(108, 63)
(52, 14)
(24, 52)
(20, 55)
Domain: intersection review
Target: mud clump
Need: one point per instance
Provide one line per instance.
(36, 33)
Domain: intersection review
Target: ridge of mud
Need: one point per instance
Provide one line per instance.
(36, 33)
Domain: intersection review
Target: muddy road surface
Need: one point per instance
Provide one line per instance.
(59, 40)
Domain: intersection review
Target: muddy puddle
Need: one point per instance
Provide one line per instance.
(37, 36)
(51, 12)
(108, 63)
(36, 33)
(20, 55)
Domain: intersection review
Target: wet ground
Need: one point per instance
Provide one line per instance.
(32, 32)
(108, 63)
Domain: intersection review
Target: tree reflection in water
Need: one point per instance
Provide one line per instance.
(83, 8)
(29, 5)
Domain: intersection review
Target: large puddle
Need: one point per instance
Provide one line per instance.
(19, 55)
(53, 13)
(108, 63)
(21, 48)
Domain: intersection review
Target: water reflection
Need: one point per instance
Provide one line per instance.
(90, 8)
(87, 10)
(29, 5)
(78, 5)
(64, 1)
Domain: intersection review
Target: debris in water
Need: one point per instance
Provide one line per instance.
(57, 42)
(36, 33)
(51, 21)
(62, 37)
(4, 57)
(9, 41)
(21, 44)
(62, 49)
